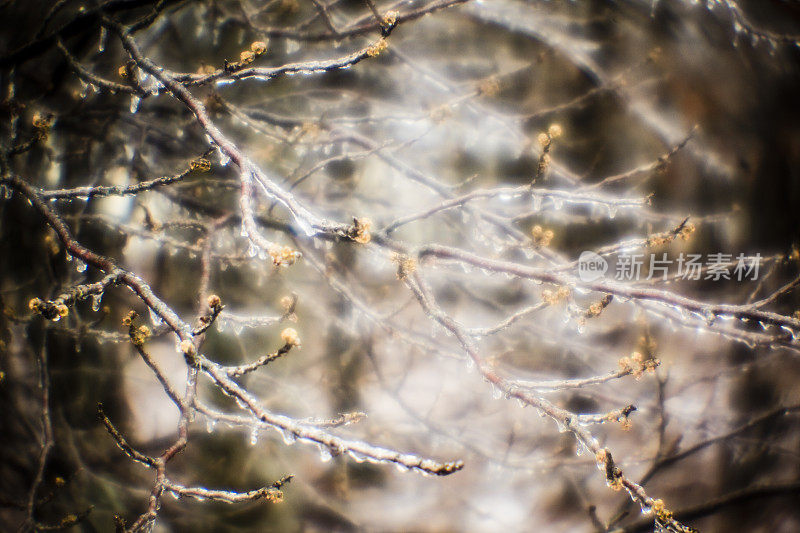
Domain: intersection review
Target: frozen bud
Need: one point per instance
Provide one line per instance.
(390, 19)
(376, 49)
(123, 72)
(286, 302)
(34, 304)
(290, 337)
(214, 301)
(129, 318)
(543, 139)
(274, 496)
(62, 310)
(258, 47)
(247, 57)
(489, 87)
(186, 346)
(555, 131)
(200, 165)
(361, 229)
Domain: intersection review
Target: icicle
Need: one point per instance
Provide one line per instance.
(325, 454)
(288, 437)
(96, 299)
(101, 45)
(356, 456)
(80, 266)
(497, 393)
(135, 100)
(254, 436)
(155, 319)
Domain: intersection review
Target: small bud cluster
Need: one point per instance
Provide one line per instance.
(441, 113)
(287, 302)
(187, 348)
(660, 510)
(274, 496)
(376, 49)
(637, 365)
(126, 71)
(553, 297)
(50, 310)
(541, 236)
(290, 337)
(660, 239)
(405, 265)
(283, 255)
(596, 308)
(200, 165)
(42, 125)
(622, 416)
(545, 140)
(214, 302)
(258, 47)
(129, 318)
(606, 463)
(247, 57)
(215, 305)
(138, 335)
(489, 87)
(359, 232)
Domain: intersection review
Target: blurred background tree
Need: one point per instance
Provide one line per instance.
(351, 231)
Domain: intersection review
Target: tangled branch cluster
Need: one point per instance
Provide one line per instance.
(289, 162)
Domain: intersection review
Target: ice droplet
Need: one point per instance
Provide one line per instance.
(325, 454)
(80, 266)
(497, 393)
(101, 45)
(155, 319)
(288, 437)
(135, 100)
(96, 299)
(356, 456)
(254, 437)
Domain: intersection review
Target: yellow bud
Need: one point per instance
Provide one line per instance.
(247, 56)
(390, 19)
(63, 310)
(214, 301)
(543, 139)
(376, 49)
(187, 347)
(290, 337)
(555, 131)
(258, 47)
(361, 228)
(34, 304)
(200, 165)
